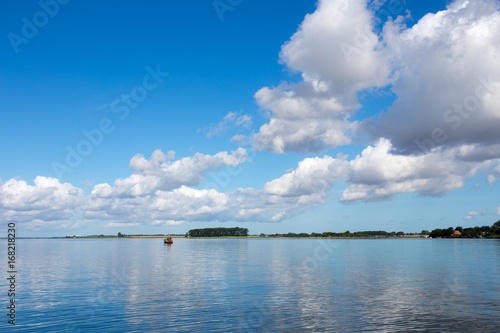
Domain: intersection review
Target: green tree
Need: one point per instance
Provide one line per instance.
(471, 232)
(448, 232)
(495, 228)
(436, 233)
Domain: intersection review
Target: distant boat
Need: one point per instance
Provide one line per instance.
(168, 240)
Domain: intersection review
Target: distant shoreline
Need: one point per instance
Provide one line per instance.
(250, 237)
(222, 237)
(100, 237)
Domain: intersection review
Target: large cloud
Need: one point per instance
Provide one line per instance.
(444, 72)
(301, 121)
(337, 48)
(186, 204)
(337, 54)
(379, 172)
(448, 86)
(159, 173)
(47, 202)
(314, 178)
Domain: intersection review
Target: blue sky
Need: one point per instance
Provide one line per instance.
(280, 122)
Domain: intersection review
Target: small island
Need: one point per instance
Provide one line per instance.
(218, 232)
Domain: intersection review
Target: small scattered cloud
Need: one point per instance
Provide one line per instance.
(475, 186)
(473, 214)
(244, 121)
(493, 175)
(239, 138)
(376, 4)
(230, 120)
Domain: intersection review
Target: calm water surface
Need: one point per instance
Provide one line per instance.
(257, 285)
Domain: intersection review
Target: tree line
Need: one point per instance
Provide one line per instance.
(346, 234)
(218, 232)
(472, 232)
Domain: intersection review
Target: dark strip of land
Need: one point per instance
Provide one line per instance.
(458, 232)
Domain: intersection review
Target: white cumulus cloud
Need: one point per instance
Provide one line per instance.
(313, 176)
(448, 78)
(46, 202)
(335, 47)
(380, 173)
(443, 70)
(160, 173)
(337, 54)
(301, 122)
